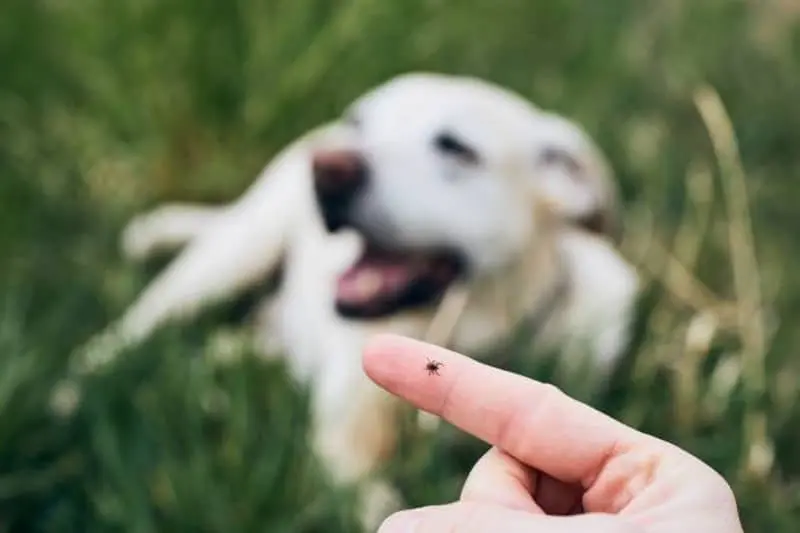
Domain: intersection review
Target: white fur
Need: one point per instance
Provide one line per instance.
(489, 211)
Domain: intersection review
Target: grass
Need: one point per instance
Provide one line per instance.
(107, 108)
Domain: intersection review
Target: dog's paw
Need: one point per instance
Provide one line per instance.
(138, 241)
(99, 352)
(428, 422)
(378, 501)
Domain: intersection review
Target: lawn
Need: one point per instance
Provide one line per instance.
(108, 108)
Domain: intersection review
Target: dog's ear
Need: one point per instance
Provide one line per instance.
(573, 177)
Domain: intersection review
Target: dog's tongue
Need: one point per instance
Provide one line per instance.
(372, 278)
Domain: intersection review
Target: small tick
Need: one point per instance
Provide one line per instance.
(433, 367)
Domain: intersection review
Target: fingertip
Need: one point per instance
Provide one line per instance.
(397, 364)
(377, 352)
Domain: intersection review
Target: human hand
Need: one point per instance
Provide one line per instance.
(556, 465)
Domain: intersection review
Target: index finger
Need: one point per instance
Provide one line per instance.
(532, 421)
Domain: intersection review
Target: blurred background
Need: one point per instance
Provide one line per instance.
(107, 108)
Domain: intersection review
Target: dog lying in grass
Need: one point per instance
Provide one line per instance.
(439, 207)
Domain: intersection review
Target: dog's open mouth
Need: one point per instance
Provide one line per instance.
(382, 282)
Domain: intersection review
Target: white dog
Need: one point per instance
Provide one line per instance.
(439, 207)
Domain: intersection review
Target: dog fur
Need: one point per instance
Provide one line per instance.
(522, 194)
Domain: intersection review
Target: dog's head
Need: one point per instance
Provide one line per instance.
(442, 180)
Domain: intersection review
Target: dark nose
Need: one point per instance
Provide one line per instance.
(338, 178)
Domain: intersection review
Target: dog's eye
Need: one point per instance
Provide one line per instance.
(553, 156)
(448, 144)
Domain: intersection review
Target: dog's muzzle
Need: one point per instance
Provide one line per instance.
(339, 177)
(384, 279)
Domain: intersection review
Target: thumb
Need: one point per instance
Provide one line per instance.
(466, 517)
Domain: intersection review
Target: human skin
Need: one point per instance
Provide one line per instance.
(555, 465)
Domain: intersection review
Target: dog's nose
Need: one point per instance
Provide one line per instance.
(338, 177)
(338, 172)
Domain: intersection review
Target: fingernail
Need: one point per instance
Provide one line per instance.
(402, 522)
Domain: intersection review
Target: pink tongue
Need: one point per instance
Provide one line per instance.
(369, 280)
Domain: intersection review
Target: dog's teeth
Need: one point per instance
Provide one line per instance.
(368, 283)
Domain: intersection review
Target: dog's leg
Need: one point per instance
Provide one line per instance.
(599, 312)
(354, 427)
(243, 245)
(167, 228)
(353, 421)
(354, 433)
(215, 266)
(354, 447)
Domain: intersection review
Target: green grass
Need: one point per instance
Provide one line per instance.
(107, 108)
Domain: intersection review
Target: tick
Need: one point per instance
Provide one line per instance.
(433, 367)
